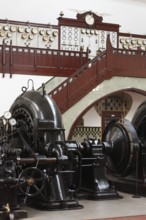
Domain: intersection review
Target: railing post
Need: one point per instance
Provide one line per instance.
(109, 57)
(97, 71)
(11, 58)
(67, 98)
(81, 56)
(35, 58)
(58, 60)
(3, 58)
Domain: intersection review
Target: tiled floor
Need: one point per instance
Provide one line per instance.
(128, 206)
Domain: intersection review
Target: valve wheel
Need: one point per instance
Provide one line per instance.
(31, 181)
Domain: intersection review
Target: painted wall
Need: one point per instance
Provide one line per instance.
(10, 88)
(137, 100)
(92, 118)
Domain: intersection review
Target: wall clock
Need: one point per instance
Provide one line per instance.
(89, 19)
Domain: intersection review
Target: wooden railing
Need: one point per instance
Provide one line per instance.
(80, 83)
(128, 63)
(112, 62)
(26, 60)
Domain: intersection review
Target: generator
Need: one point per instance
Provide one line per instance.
(126, 165)
(38, 167)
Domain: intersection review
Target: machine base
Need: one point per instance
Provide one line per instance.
(129, 185)
(86, 194)
(54, 205)
(17, 214)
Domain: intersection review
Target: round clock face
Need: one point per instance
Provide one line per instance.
(89, 19)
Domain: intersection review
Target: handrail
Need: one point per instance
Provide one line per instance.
(77, 72)
(48, 81)
(40, 61)
(80, 83)
(128, 52)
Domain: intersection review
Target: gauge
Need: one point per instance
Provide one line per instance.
(24, 36)
(92, 31)
(122, 40)
(21, 29)
(30, 36)
(7, 115)
(128, 40)
(130, 47)
(45, 38)
(41, 32)
(139, 41)
(133, 41)
(34, 30)
(9, 34)
(12, 121)
(13, 28)
(55, 33)
(96, 32)
(51, 39)
(83, 31)
(2, 33)
(88, 31)
(125, 46)
(27, 30)
(142, 47)
(48, 32)
(6, 27)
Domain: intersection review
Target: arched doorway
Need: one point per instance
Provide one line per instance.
(117, 105)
